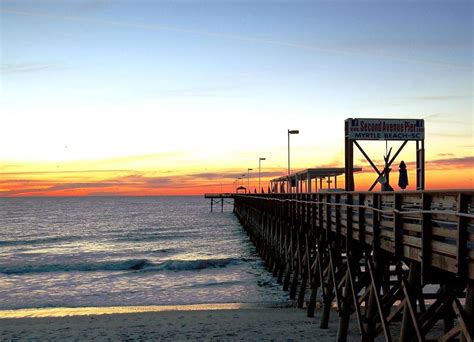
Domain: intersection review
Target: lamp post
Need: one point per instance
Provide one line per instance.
(259, 170)
(248, 179)
(290, 131)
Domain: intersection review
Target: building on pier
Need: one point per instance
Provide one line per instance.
(307, 180)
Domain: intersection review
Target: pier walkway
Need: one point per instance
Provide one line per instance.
(386, 260)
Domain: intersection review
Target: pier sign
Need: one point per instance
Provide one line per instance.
(386, 129)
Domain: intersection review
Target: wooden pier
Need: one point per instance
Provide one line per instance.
(386, 260)
(219, 198)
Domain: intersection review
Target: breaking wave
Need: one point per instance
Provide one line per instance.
(143, 265)
(192, 265)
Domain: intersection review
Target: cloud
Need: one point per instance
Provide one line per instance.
(401, 44)
(157, 182)
(27, 186)
(58, 172)
(141, 180)
(92, 5)
(214, 175)
(447, 163)
(25, 181)
(256, 40)
(46, 187)
(450, 163)
(217, 175)
(141, 157)
(437, 164)
(137, 183)
(332, 164)
(234, 174)
(375, 161)
(439, 97)
(21, 192)
(452, 135)
(26, 67)
(75, 186)
(444, 119)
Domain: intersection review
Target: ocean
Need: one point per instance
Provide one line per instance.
(126, 251)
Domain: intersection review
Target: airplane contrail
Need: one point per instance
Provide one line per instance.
(310, 47)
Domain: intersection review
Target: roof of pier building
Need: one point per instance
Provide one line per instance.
(315, 173)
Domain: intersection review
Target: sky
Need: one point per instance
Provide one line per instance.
(183, 97)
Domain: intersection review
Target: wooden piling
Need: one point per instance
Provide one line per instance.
(406, 329)
(467, 332)
(344, 315)
(315, 283)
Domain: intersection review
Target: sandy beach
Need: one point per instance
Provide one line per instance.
(257, 323)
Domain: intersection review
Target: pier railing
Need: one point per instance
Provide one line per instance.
(369, 250)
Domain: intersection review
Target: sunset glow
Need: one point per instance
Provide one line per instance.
(164, 98)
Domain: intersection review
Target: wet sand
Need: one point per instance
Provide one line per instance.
(182, 323)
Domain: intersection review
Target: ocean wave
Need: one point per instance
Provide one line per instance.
(192, 265)
(142, 265)
(122, 265)
(166, 251)
(213, 284)
(44, 240)
(151, 237)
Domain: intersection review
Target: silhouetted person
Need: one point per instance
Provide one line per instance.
(403, 177)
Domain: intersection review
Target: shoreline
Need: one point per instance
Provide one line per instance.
(112, 310)
(192, 322)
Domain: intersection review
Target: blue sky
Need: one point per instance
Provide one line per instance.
(112, 78)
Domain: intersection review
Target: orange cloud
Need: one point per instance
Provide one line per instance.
(135, 184)
(440, 174)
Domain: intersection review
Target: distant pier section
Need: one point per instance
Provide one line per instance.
(219, 198)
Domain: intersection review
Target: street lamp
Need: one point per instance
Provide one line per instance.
(290, 131)
(238, 183)
(248, 178)
(259, 170)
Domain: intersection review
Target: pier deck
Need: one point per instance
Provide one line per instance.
(377, 255)
(219, 195)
